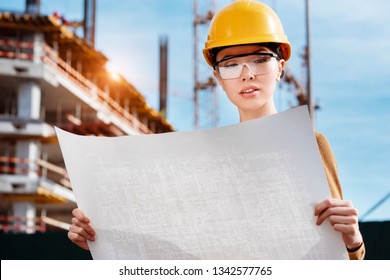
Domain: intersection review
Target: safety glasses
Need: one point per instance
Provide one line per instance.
(231, 67)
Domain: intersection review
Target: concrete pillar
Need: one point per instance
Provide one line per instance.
(38, 39)
(26, 211)
(29, 150)
(29, 100)
(29, 108)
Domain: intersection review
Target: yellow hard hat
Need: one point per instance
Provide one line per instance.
(245, 22)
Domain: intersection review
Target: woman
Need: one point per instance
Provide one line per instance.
(248, 49)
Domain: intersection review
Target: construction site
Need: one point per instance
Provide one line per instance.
(50, 76)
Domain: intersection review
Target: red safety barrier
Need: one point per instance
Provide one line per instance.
(18, 55)
(9, 167)
(17, 44)
(5, 218)
(16, 49)
(15, 170)
(14, 165)
(19, 224)
(22, 228)
(14, 159)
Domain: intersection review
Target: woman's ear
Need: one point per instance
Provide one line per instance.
(280, 72)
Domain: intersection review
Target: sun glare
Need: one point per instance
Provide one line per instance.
(115, 76)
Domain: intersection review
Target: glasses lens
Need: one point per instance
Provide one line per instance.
(258, 64)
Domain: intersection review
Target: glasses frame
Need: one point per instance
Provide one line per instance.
(216, 64)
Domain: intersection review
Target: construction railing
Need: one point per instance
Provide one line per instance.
(26, 224)
(8, 165)
(21, 224)
(23, 166)
(15, 165)
(16, 49)
(25, 50)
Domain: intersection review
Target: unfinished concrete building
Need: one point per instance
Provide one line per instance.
(51, 77)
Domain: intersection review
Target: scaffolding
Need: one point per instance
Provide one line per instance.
(205, 94)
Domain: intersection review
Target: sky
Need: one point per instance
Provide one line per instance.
(350, 43)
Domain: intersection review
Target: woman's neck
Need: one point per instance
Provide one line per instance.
(256, 114)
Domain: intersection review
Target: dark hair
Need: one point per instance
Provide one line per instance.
(274, 47)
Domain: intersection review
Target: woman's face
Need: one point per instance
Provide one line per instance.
(252, 91)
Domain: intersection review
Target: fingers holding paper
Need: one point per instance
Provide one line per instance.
(343, 217)
(80, 230)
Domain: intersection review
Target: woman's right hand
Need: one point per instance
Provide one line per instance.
(80, 230)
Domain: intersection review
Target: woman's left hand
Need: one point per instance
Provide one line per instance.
(343, 217)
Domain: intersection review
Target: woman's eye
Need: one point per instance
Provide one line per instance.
(261, 59)
(231, 65)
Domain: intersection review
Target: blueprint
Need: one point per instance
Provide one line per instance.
(244, 191)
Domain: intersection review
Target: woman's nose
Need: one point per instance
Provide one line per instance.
(246, 73)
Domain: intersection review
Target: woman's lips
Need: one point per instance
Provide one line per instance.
(249, 92)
